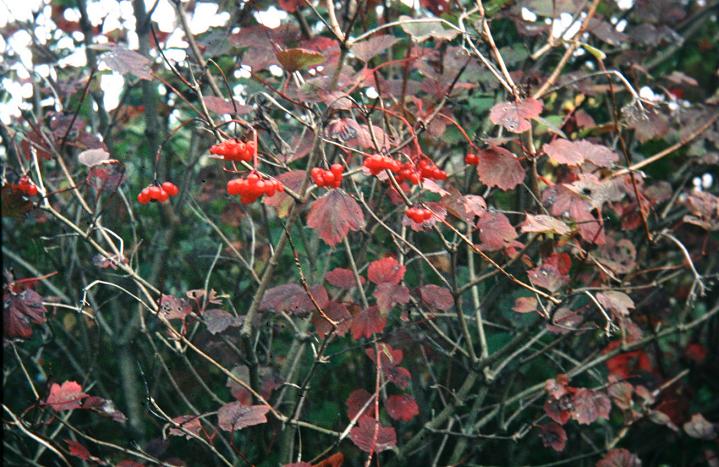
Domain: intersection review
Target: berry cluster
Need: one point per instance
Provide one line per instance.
(409, 174)
(471, 159)
(428, 169)
(26, 186)
(418, 215)
(253, 187)
(328, 178)
(377, 163)
(233, 150)
(158, 193)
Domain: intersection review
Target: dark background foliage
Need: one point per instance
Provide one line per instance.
(556, 305)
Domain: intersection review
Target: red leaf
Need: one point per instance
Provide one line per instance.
(698, 427)
(515, 116)
(563, 202)
(618, 303)
(542, 224)
(219, 105)
(172, 307)
(296, 59)
(334, 215)
(236, 416)
(290, 6)
(388, 295)
(465, 207)
(293, 298)
(218, 320)
(495, 231)
(281, 201)
(621, 394)
(386, 270)
(401, 407)
(370, 436)
(335, 460)
(338, 313)
(389, 356)
(398, 375)
(128, 463)
(619, 458)
(559, 409)
(69, 396)
(439, 298)
(552, 274)
(124, 61)
(575, 153)
(367, 49)
(188, 424)
(356, 400)
(590, 405)
(21, 309)
(343, 278)
(499, 167)
(106, 176)
(77, 450)
(553, 436)
(627, 364)
(367, 322)
(525, 304)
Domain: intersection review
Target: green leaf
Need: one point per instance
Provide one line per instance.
(428, 27)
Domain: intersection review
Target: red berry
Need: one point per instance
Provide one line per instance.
(471, 159)
(170, 188)
(337, 169)
(143, 197)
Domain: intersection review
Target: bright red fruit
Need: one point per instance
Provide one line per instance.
(471, 159)
(253, 187)
(170, 188)
(327, 178)
(234, 150)
(418, 215)
(26, 186)
(377, 163)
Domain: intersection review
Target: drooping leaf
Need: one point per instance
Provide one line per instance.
(92, 157)
(104, 407)
(106, 176)
(356, 400)
(367, 322)
(542, 223)
(553, 436)
(370, 436)
(67, 396)
(553, 273)
(297, 59)
(495, 231)
(574, 153)
(124, 61)
(373, 46)
(429, 27)
(515, 116)
(698, 427)
(218, 320)
(343, 278)
(334, 215)
(389, 294)
(589, 405)
(498, 167)
(559, 409)
(222, 106)
(188, 425)
(619, 303)
(172, 307)
(20, 310)
(402, 407)
(77, 449)
(386, 270)
(525, 304)
(619, 458)
(293, 298)
(438, 298)
(338, 313)
(236, 416)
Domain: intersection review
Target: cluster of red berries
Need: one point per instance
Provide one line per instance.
(157, 193)
(253, 187)
(418, 215)
(408, 174)
(377, 163)
(428, 169)
(26, 186)
(328, 178)
(234, 150)
(471, 159)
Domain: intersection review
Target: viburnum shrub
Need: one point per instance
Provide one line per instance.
(402, 233)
